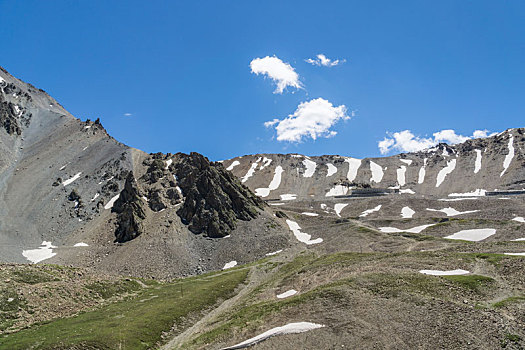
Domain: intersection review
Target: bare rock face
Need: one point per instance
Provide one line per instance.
(131, 212)
(8, 119)
(214, 198)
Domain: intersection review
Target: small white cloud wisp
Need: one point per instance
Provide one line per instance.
(322, 60)
(406, 141)
(312, 119)
(127, 114)
(283, 74)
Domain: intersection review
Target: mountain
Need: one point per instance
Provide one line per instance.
(417, 250)
(64, 181)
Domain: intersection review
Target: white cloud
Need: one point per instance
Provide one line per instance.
(406, 141)
(280, 72)
(322, 60)
(128, 114)
(313, 119)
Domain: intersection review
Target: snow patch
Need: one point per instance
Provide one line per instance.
(519, 219)
(288, 197)
(370, 211)
(407, 191)
(422, 172)
(233, 165)
(377, 172)
(230, 264)
(274, 253)
(515, 254)
(251, 171)
(310, 167)
(444, 273)
(406, 161)
(452, 212)
(45, 251)
(112, 201)
(476, 193)
(309, 214)
(287, 294)
(407, 213)
(266, 162)
(337, 190)
(301, 236)
(417, 229)
(331, 169)
(95, 197)
(353, 167)
(477, 165)
(168, 163)
(401, 172)
(509, 156)
(338, 207)
(474, 235)
(69, 181)
(451, 165)
(81, 244)
(290, 328)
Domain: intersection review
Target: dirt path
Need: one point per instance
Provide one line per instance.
(255, 277)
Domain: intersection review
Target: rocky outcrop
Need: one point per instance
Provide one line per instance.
(8, 120)
(214, 198)
(131, 211)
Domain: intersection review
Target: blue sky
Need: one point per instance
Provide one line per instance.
(182, 69)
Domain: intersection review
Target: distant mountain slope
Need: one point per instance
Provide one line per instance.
(496, 162)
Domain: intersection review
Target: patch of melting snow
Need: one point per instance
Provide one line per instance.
(338, 207)
(45, 251)
(276, 203)
(401, 172)
(69, 181)
(353, 167)
(233, 165)
(474, 235)
(370, 211)
(309, 214)
(274, 253)
(274, 184)
(422, 172)
(290, 328)
(515, 254)
(81, 244)
(406, 161)
(94, 197)
(331, 169)
(407, 213)
(251, 171)
(87, 127)
(230, 264)
(337, 190)
(310, 167)
(456, 199)
(168, 163)
(287, 294)
(112, 201)
(377, 172)
(63, 167)
(302, 236)
(477, 165)
(288, 197)
(266, 162)
(444, 273)
(452, 212)
(519, 219)
(477, 193)
(407, 191)
(509, 156)
(417, 229)
(451, 165)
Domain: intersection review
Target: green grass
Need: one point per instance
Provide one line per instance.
(134, 323)
(509, 300)
(108, 289)
(32, 276)
(472, 282)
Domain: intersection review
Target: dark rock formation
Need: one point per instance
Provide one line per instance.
(8, 119)
(214, 198)
(131, 211)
